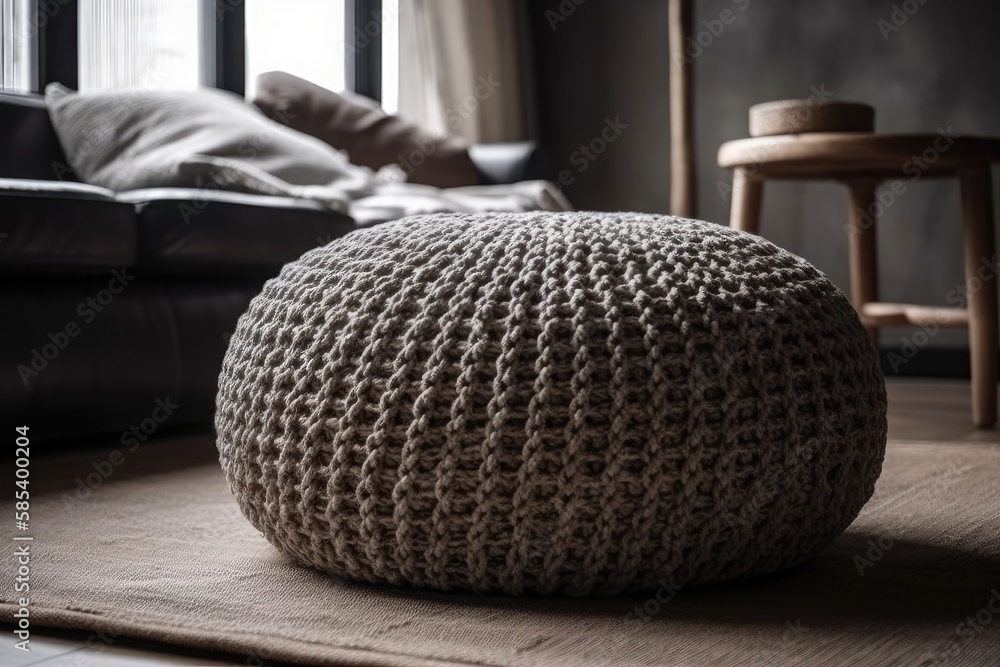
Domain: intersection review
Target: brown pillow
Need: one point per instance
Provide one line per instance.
(370, 136)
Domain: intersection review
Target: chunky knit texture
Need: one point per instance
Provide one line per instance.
(577, 402)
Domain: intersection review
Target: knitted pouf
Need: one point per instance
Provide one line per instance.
(583, 403)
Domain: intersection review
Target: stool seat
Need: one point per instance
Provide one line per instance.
(862, 160)
(832, 155)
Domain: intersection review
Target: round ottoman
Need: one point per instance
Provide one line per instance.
(582, 403)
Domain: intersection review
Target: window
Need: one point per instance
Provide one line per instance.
(301, 37)
(140, 43)
(18, 50)
(182, 44)
(390, 55)
(306, 38)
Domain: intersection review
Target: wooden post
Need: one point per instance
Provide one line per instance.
(683, 191)
(863, 249)
(747, 193)
(981, 292)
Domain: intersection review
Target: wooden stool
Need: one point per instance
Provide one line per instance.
(862, 161)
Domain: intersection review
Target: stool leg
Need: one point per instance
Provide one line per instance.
(863, 250)
(747, 193)
(981, 290)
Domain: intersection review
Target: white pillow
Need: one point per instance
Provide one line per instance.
(130, 138)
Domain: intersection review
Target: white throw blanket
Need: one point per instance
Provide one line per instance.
(390, 201)
(370, 197)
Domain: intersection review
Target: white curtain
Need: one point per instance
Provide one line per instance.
(465, 68)
(18, 53)
(139, 44)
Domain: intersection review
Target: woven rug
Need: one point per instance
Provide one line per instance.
(159, 551)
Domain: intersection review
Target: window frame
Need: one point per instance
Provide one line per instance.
(363, 48)
(58, 42)
(224, 31)
(223, 39)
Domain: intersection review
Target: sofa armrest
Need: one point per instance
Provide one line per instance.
(30, 146)
(510, 162)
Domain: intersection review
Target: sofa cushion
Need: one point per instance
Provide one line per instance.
(130, 138)
(206, 231)
(94, 354)
(53, 227)
(584, 403)
(510, 162)
(371, 137)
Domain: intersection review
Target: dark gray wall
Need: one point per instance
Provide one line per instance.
(608, 59)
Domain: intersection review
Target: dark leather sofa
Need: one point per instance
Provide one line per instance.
(117, 308)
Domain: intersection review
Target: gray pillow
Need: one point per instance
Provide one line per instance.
(131, 138)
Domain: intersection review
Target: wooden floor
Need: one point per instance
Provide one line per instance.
(932, 411)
